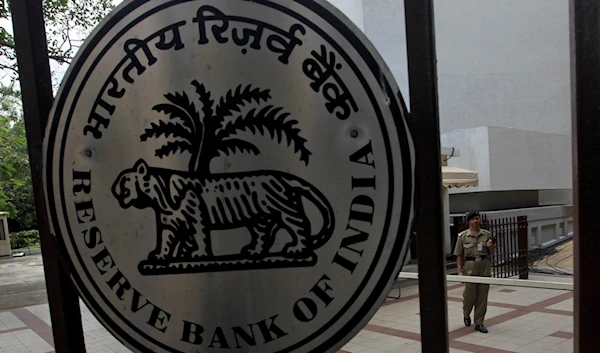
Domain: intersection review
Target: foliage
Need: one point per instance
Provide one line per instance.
(68, 22)
(205, 134)
(25, 239)
(14, 163)
(16, 193)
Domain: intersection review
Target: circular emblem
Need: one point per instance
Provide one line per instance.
(229, 174)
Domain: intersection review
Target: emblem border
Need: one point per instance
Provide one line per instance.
(399, 114)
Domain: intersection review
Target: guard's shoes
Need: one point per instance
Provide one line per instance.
(467, 321)
(481, 328)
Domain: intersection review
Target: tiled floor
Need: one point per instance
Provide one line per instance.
(524, 320)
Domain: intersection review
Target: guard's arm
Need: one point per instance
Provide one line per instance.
(459, 253)
(459, 265)
(491, 246)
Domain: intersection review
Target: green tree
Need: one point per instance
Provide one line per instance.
(205, 134)
(15, 176)
(19, 188)
(68, 23)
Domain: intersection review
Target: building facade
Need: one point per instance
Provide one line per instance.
(504, 97)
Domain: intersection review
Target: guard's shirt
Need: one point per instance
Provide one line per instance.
(468, 245)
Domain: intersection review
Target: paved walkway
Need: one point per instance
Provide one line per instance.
(524, 320)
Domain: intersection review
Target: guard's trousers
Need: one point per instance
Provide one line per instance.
(476, 294)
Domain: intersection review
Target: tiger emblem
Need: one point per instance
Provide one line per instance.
(188, 208)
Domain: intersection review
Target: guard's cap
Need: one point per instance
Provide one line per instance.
(471, 215)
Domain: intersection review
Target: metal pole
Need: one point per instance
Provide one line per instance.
(36, 90)
(424, 115)
(522, 247)
(585, 83)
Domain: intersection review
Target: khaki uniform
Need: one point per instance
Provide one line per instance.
(475, 294)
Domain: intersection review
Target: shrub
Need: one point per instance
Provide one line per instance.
(25, 239)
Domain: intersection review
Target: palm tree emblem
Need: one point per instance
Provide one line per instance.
(189, 205)
(205, 133)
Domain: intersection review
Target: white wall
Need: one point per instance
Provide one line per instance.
(511, 159)
(503, 63)
(500, 63)
(529, 160)
(385, 28)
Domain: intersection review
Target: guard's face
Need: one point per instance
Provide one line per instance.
(475, 222)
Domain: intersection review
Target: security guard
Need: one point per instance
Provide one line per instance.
(474, 247)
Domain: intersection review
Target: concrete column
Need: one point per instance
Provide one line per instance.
(4, 235)
(446, 235)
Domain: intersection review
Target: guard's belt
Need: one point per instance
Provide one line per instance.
(475, 258)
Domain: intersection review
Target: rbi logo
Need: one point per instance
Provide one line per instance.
(230, 175)
(190, 203)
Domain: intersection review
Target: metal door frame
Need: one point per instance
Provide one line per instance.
(36, 88)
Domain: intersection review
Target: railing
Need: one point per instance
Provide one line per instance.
(547, 225)
(526, 283)
(510, 234)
